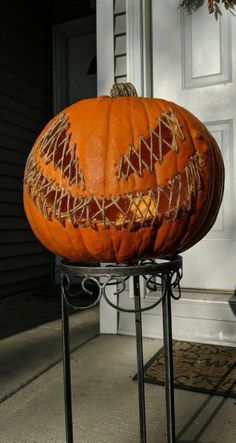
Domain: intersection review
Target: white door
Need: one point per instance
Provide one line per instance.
(194, 64)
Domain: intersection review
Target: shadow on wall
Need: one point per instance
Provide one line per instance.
(232, 303)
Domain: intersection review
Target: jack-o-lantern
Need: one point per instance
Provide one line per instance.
(121, 178)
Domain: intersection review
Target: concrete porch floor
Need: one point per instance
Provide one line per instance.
(105, 403)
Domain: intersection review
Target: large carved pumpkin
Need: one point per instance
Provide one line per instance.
(121, 178)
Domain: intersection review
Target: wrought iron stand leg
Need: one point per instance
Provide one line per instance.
(169, 386)
(139, 345)
(66, 368)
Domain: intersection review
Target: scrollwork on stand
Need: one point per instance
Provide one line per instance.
(156, 276)
(66, 292)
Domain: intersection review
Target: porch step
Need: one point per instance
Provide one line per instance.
(201, 316)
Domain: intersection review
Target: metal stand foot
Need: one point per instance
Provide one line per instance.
(66, 367)
(167, 335)
(139, 346)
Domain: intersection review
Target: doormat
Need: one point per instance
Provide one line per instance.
(198, 367)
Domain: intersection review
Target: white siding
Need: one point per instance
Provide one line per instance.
(120, 62)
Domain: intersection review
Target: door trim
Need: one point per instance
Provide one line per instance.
(61, 34)
(139, 45)
(105, 80)
(105, 46)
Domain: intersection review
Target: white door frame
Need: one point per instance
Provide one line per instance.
(105, 79)
(139, 46)
(105, 46)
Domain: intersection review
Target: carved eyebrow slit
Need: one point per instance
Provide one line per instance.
(161, 140)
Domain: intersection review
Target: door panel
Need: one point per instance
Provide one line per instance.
(74, 53)
(194, 65)
(206, 49)
(82, 79)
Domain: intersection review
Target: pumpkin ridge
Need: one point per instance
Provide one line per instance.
(194, 233)
(107, 165)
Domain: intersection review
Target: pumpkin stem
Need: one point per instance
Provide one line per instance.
(123, 90)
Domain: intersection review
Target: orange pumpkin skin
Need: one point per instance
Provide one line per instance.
(119, 179)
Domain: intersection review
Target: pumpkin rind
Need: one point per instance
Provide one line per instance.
(118, 179)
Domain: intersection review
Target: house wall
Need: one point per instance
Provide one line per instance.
(26, 99)
(24, 110)
(62, 12)
(120, 61)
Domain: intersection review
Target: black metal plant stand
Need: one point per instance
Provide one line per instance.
(164, 275)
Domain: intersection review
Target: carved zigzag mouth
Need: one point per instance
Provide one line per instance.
(129, 211)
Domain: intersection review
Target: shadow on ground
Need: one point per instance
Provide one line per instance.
(23, 312)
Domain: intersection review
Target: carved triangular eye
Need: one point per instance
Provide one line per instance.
(150, 150)
(55, 146)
